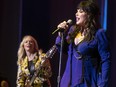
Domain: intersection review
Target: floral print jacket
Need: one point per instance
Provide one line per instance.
(24, 74)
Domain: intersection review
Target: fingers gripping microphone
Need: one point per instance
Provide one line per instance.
(69, 22)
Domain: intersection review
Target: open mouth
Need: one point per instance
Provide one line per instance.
(28, 46)
(77, 19)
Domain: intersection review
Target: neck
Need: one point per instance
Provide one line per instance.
(30, 56)
(83, 30)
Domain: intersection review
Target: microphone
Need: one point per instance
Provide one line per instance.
(69, 22)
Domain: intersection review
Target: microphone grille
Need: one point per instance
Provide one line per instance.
(69, 21)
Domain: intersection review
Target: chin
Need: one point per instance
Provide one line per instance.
(77, 23)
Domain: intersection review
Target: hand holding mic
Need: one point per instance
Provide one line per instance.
(62, 25)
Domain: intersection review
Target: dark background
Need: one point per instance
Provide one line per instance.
(39, 18)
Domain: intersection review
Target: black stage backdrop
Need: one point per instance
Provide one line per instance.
(39, 18)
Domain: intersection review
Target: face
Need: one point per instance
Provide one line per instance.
(29, 44)
(81, 17)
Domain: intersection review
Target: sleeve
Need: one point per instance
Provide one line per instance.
(20, 77)
(58, 40)
(103, 48)
(67, 36)
(66, 40)
(45, 71)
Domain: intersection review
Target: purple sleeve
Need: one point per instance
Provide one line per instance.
(103, 48)
(58, 40)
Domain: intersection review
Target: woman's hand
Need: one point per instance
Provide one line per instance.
(62, 25)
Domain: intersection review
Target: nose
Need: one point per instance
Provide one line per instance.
(76, 14)
(29, 42)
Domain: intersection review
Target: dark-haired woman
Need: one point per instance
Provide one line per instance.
(88, 61)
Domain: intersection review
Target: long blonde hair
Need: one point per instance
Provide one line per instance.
(21, 51)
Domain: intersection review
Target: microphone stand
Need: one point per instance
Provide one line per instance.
(61, 48)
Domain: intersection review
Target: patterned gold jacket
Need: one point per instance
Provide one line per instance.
(43, 76)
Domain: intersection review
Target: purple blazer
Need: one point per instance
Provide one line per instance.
(88, 63)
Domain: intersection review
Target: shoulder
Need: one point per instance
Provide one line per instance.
(100, 33)
(102, 37)
(22, 61)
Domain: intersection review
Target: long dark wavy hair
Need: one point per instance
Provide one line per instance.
(92, 23)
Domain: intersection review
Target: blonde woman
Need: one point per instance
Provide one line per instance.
(30, 58)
